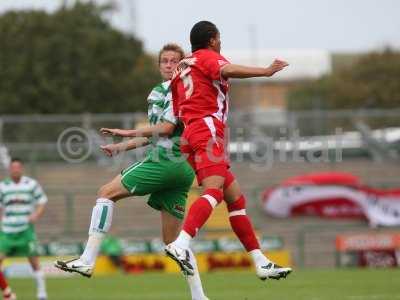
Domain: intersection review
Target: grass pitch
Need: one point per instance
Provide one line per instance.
(347, 284)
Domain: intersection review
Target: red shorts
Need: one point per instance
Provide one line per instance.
(203, 142)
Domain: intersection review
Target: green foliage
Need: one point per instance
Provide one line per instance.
(371, 82)
(71, 61)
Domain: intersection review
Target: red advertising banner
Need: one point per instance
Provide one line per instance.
(333, 195)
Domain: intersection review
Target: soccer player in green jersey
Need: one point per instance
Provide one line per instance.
(22, 202)
(164, 174)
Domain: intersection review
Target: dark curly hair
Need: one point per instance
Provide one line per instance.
(201, 34)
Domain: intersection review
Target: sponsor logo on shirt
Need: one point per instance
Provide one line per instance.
(179, 208)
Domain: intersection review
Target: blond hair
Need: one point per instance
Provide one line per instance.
(171, 47)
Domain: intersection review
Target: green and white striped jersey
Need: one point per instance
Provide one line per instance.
(18, 201)
(160, 110)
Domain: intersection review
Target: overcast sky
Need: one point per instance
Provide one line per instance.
(336, 25)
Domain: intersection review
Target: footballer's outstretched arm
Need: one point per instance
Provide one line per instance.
(239, 71)
(160, 129)
(113, 149)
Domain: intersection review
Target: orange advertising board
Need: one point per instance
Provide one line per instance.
(358, 242)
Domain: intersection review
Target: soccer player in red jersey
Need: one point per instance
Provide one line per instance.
(200, 99)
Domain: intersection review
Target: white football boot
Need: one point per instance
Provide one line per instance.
(181, 257)
(272, 271)
(76, 266)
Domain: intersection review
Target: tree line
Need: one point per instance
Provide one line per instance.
(373, 81)
(71, 61)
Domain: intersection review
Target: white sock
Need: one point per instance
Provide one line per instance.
(92, 249)
(40, 284)
(183, 240)
(100, 224)
(196, 288)
(259, 258)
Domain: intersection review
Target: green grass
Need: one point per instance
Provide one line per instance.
(300, 285)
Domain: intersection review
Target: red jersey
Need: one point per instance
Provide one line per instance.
(198, 89)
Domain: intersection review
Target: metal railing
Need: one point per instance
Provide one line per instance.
(35, 137)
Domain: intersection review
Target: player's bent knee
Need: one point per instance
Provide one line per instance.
(102, 192)
(213, 183)
(239, 205)
(107, 191)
